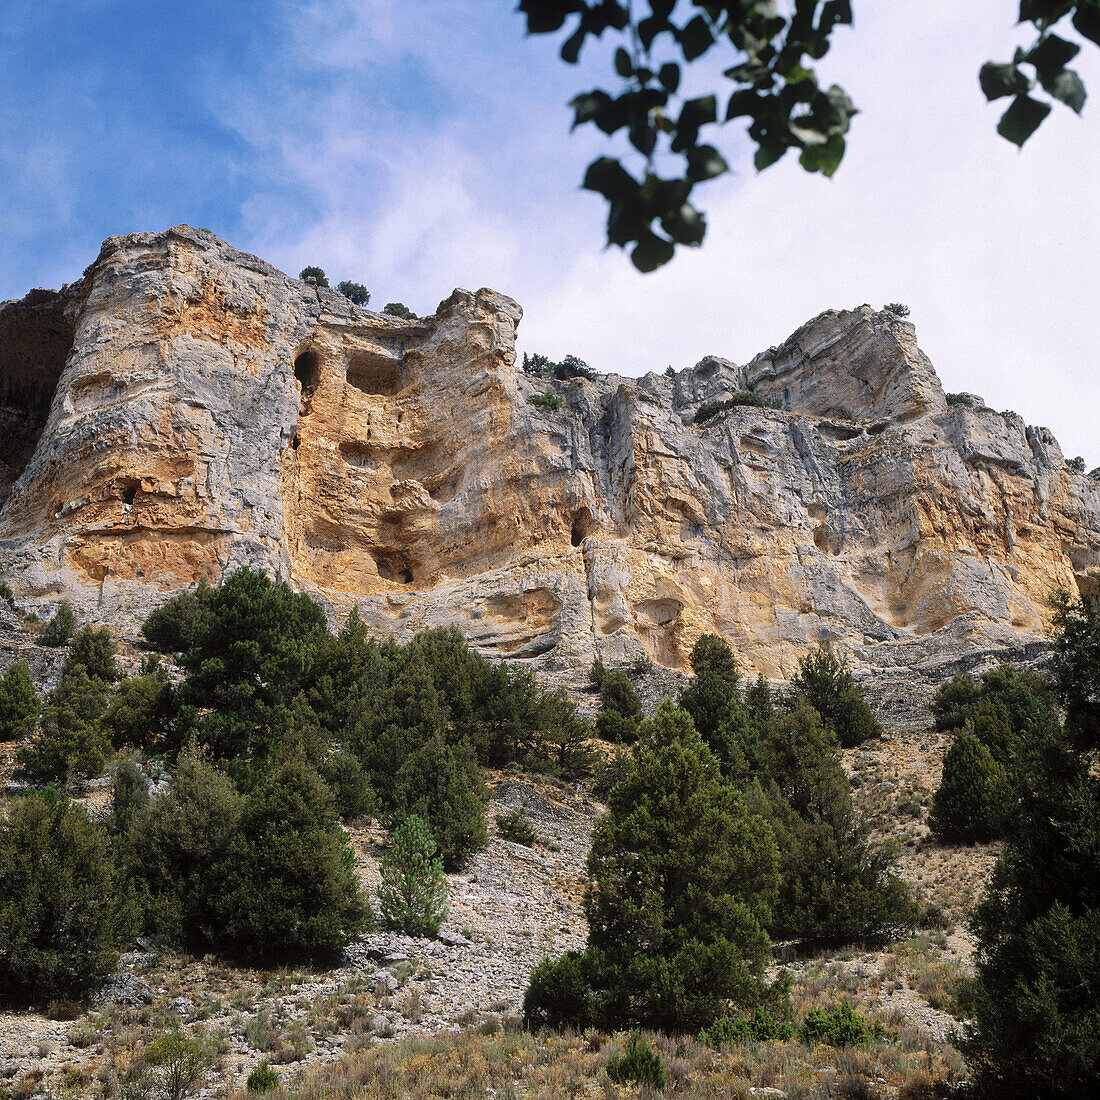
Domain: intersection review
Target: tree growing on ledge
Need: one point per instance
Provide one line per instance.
(315, 274)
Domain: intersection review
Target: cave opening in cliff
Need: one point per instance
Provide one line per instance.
(374, 373)
(36, 338)
(582, 524)
(308, 372)
(393, 567)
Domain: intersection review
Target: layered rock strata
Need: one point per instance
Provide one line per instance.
(186, 408)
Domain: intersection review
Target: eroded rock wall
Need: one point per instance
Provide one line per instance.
(212, 411)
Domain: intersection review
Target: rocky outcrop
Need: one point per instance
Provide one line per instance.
(206, 411)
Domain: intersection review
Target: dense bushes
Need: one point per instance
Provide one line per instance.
(19, 704)
(834, 886)
(682, 875)
(825, 681)
(59, 922)
(59, 630)
(71, 740)
(969, 803)
(264, 876)
(709, 409)
(992, 716)
(1036, 1029)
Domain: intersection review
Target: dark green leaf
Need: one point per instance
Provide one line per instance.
(835, 11)
(696, 38)
(743, 102)
(669, 76)
(652, 252)
(1051, 55)
(588, 106)
(624, 66)
(571, 47)
(1087, 21)
(1022, 119)
(704, 163)
(1043, 11)
(768, 154)
(1068, 87)
(1001, 80)
(686, 226)
(609, 178)
(643, 137)
(823, 158)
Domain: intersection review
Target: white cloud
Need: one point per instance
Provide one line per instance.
(470, 178)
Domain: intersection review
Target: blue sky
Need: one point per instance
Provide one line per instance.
(421, 145)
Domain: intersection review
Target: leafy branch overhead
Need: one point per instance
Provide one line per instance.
(775, 88)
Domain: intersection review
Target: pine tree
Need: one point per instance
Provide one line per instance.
(1036, 995)
(682, 876)
(825, 681)
(58, 923)
(19, 705)
(969, 803)
(413, 893)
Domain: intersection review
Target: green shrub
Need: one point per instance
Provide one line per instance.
(351, 788)
(264, 877)
(71, 740)
(709, 409)
(761, 1027)
(251, 654)
(399, 309)
(286, 886)
(825, 681)
(58, 923)
(610, 770)
(6, 594)
(515, 827)
(616, 728)
(681, 876)
(1034, 999)
(969, 803)
(263, 1078)
(545, 400)
(963, 399)
(171, 627)
(954, 701)
(834, 886)
(181, 1063)
(140, 711)
(570, 367)
(354, 292)
(172, 844)
(61, 627)
(559, 993)
(639, 1063)
(838, 1027)
(129, 796)
(442, 784)
(19, 704)
(314, 273)
(94, 649)
(1077, 465)
(899, 309)
(413, 893)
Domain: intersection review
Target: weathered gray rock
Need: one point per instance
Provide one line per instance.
(207, 411)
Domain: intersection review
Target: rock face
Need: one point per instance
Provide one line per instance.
(186, 408)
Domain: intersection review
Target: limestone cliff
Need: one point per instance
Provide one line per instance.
(185, 408)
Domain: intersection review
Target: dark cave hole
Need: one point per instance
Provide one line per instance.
(307, 371)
